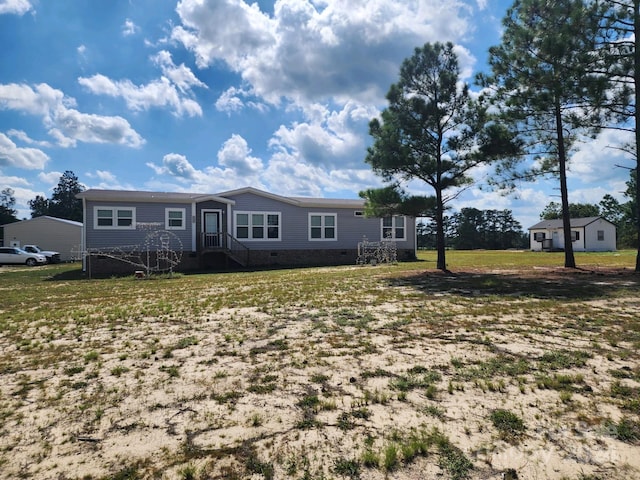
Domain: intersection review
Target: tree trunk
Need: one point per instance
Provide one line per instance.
(441, 263)
(569, 260)
(636, 81)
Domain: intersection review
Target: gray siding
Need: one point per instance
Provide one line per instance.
(126, 238)
(295, 226)
(294, 247)
(48, 233)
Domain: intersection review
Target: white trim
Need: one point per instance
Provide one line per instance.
(250, 226)
(203, 213)
(194, 232)
(114, 218)
(393, 228)
(323, 226)
(83, 237)
(168, 210)
(210, 210)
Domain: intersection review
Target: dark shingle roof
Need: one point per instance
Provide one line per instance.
(575, 222)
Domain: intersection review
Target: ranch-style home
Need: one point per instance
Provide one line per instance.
(245, 227)
(589, 234)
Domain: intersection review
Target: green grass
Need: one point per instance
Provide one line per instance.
(510, 425)
(316, 365)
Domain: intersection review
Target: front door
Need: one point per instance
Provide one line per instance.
(211, 222)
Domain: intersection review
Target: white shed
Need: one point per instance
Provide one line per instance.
(589, 234)
(49, 233)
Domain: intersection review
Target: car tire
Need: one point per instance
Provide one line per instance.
(31, 262)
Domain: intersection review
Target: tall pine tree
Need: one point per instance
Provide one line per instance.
(550, 83)
(431, 131)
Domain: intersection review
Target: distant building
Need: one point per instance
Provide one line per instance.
(589, 234)
(49, 233)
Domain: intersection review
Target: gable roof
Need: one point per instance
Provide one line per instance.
(182, 197)
(299, 201)
(48, 218)
(557, 223)
(144, 196)
(260, 193)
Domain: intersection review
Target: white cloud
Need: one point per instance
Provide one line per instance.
(181, 76)
(39, 100)
(72, 126)
(177, 168)
(159, 93)
(235, 99)
(173, 89)
(65, 124)
(129, 28)
(230, 101)
(596, 160)
(14, 181)
(102, 175)
(309, 51)
(329, 138)
(236, 154)
(14, 156)
(23, 137)
(107, 180)
(50, 178)
(15, 7)
(282, 174)
(227, 29)
(286, 176)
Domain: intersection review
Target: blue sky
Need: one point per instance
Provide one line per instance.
(212, 95)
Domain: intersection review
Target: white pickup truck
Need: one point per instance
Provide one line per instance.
(52, 257)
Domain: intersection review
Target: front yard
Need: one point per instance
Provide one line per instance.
(509, 365)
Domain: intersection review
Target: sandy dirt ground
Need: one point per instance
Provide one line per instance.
(305, 392)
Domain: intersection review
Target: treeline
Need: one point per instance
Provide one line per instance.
(62, 204)
(472, 228)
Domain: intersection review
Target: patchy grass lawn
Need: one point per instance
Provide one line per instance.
(509, 365)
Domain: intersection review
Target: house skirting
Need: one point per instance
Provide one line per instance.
(316, 257)
(98, 265)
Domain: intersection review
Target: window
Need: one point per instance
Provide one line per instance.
(257, 225)
(323, 226)
(393, 228)
(600, 235)
(539, 236)
(114, 218)
(358, 213)
(575, 235)
(174, 218)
